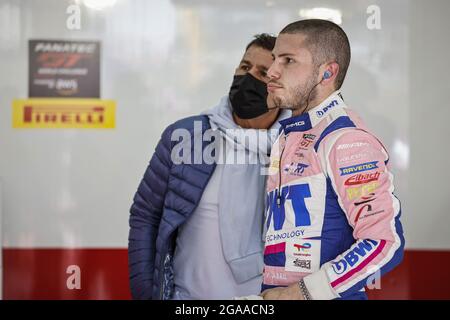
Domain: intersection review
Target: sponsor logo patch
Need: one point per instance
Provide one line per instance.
(304, 264)
(366, 199)
(352, 157)
(362, 178)
(303, 255)
(368, 212)
(359, 168)
(354, 256)
(302, 249)
(332, 104)
(307, 140)
(352, 145)
(361, 191)
(296, 169)
(64, 113)
(295, 124)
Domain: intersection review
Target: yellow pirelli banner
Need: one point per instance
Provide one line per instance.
(64, 113)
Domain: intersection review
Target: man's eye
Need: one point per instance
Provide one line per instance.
(289, 60)
(264, 73)
(245, 68)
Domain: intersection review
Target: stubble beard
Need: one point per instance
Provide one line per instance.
(297, 99)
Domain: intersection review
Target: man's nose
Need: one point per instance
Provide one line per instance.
(273, 73)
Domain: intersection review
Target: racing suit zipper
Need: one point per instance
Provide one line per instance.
(279, 174)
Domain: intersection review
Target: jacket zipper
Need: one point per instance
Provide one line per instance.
(161, 287)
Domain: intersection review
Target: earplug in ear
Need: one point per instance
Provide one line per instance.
(327, 75)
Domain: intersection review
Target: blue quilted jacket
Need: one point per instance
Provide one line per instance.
(167, 195)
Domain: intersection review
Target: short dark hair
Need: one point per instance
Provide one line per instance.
(326, 41)
(263, 40)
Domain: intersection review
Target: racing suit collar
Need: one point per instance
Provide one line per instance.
(307, 121)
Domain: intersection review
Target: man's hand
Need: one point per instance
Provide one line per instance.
(288, 293)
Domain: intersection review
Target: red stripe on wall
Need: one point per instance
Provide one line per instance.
(41, 274)
(423, 274)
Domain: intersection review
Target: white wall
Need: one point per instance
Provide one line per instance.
(163, 60)
(1, 251)
(428, 202)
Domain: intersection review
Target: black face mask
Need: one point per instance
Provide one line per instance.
(248, 96)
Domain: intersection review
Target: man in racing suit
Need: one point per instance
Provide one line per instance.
(332, 220)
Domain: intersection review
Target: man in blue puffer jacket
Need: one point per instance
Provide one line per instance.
(196, 225)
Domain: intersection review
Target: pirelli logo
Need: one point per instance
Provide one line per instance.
(64, 114)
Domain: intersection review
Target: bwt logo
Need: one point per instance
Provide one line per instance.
(296, 194)
(353, 257)
(320, 113)
(303, 247)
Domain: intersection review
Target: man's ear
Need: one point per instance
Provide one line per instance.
(331, 70)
